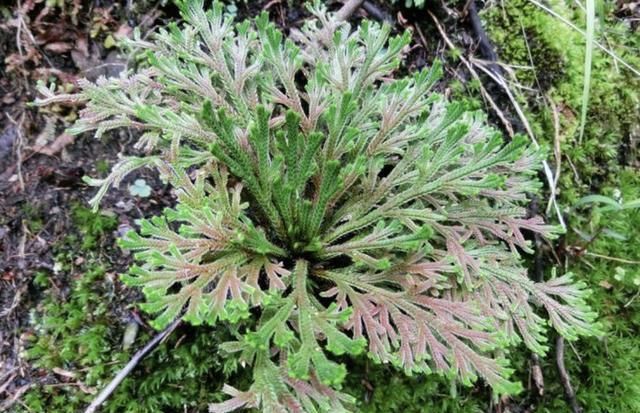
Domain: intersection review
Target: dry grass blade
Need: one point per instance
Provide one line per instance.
(14, 398)
(485, 94)
(470, 63)
(582, 32)
(557, 153)
(546, 168)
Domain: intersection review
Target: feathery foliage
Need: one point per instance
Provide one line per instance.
(345, 212)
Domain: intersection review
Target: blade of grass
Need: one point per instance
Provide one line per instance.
(597, 199)
(588, 58)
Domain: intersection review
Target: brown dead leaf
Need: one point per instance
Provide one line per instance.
(16, 62)
(86, 389)
(8, 99)
(605, 284)
(82, 47)
(64, 373)
(629, 6)
(8, 276)
(58, 47)
(123, 32)
(56, 146)
(402, 20)
(567, 112)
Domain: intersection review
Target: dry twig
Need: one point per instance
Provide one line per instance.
(557, 153)
(12, 399)
(12, 375)
(484, 43)
(523, 118)
(470, 64)
(507, 125)
(106, 392)
(349, 7)
(537, 375)
(18, 147)
(377, 13)
(569, 393)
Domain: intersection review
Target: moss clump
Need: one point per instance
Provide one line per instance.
(33, 216)
(556, 53)
(609, 370)
(80, 335)
(527, 36)
(75, 339)
(381, 391)
(604, 371)
(72, 328)
(92, 225)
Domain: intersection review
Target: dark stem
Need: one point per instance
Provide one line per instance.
(485, 46)
(377, 13)
(537, 376)
(569, 393)
(106, 392)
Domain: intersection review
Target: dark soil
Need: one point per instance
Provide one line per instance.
(41, 169)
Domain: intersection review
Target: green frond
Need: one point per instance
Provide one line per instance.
(327, 209)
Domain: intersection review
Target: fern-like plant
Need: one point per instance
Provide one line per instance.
(341, 211)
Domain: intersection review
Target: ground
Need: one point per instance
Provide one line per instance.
(67, 324)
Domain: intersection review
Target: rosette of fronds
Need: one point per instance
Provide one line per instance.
(327, 207)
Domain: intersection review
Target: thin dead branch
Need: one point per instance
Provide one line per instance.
(14, 304)
(13, 398)
(484, 43)
(377, 13)
(349, 7)
(537, 375)
(569, 393)
(523, 118)
(507, 125)
(5, 385)
(606, 257)
(557, 153)
(106, 392)
(18, 147)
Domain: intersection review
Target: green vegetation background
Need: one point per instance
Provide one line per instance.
(79, 332)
